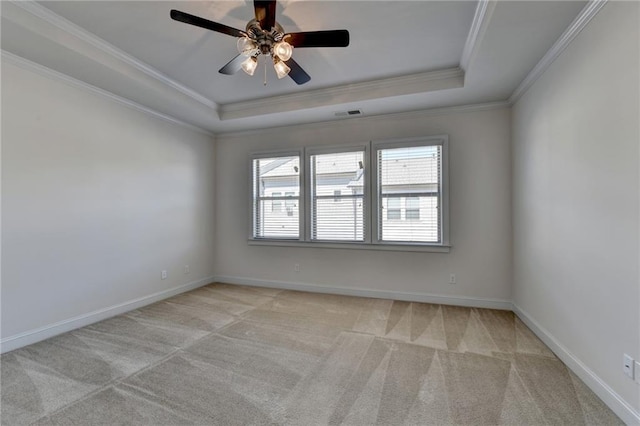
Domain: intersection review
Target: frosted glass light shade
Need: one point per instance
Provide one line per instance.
(246, 46)
(283, 50)
(249, 65)
(281, 69)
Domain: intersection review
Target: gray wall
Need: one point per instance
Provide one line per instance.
(97, 199)
(575, 198)
(480, 212)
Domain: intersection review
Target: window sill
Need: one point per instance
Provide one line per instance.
(353, 246)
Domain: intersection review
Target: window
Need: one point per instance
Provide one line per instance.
(276, 204)
(412, 173)
(391, 195)
(289, 202)
(412, 208)
(273, 176)
(393, 209)
(337, 174)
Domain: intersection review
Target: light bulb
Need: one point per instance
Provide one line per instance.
(281, 68)
(249, 65)
(283, 50)
(246, 46)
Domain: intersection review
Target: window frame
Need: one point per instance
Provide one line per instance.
(377, 213)
(371, 198)
(301, 173)
(338, 149)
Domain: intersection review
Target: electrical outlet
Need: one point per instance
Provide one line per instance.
(637, 371)
(163, 275)
(627, 365)
(452, 279)
(186, 269)
(296, 267)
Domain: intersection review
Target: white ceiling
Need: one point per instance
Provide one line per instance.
(403, 55)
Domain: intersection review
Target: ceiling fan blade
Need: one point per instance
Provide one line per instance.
(265, 13)
(205, 23)
(331, 38)
(233, 66)
(297, 74)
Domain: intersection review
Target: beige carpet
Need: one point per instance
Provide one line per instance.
(234, 355)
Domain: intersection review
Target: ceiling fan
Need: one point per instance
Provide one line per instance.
(264, 36)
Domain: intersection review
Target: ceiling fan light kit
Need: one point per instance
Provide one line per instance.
(249, 65)
(264, 36)
(283, 50)
(247, 47)
(282, 70)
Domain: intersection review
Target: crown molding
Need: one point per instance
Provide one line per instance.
(579, 23)
(395, 86)
(481, 18)
(428, 112)
(79, 84)
(69, 27)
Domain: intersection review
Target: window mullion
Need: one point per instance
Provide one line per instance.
(306, 190)
(376, 198)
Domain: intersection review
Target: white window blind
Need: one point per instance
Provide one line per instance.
(276, 215)
(409, 194)
(337, 196)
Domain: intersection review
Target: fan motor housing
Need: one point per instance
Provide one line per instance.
(264, 39)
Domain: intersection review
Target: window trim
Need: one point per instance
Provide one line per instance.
(376, 199)
(366, 200)
(371, 199)
(301, 173)
(386, 246)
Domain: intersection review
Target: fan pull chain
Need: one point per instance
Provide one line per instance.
(265, 73)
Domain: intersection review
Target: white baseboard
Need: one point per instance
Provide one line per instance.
(619, 406)
(366, 292)
(614, 401)
(32, 336)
